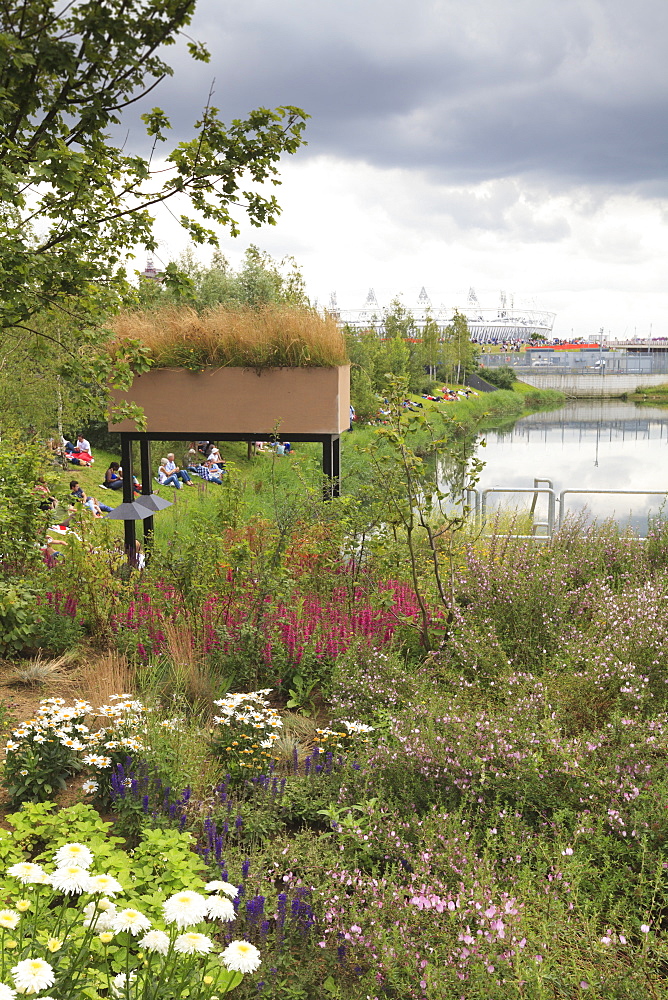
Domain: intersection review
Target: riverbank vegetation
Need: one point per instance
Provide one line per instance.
(426, 761)
(656, 394)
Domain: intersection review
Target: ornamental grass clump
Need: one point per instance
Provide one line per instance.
(65, 930)
(270, 337)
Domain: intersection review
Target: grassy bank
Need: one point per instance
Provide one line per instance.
(657, 394)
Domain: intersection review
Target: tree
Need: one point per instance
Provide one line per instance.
(72, 203)
(398, 321)
(459, 354)
(432, 520)
(260, 281)
(431, 338)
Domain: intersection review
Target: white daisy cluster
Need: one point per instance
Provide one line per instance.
(253, 727)
(350, 735)
(122, 928)
(64, 726)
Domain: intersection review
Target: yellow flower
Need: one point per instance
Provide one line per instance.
(54, 944)
(207, 980)
(106, 937)
(22, 905)
(10, 945)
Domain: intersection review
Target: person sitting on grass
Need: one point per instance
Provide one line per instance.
(77, 493)
(167, 479)
(216, 457)
(80, 454)
(210, 472)
(113, 477)
(172, 469)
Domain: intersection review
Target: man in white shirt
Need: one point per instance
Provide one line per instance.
(171, 468)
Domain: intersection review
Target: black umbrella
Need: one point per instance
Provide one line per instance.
(152, 501)
(129, 512)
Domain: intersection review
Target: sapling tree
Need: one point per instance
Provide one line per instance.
(427, 514)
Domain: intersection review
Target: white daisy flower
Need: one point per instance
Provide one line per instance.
(12, 745)
(106, 884)
(220, 908)
(32, 975)
(118, 983)
(9, 919)
(74, 854)
(192, 943)
(70, 879)
(73, 744)
(97, 760)
(7, 993)
(100, 914)
(89, 787)
(156, 941)
(185, 908)
(357, 727)
(240, 956)
(226, 887)
(130, 920)
(28, 873)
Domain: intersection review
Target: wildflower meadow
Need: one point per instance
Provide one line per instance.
(330, 752)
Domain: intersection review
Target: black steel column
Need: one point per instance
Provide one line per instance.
(145, 461)
(128, 495)
(336, 466)
(327, 466)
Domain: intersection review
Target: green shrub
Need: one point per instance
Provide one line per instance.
(503, 377)
(19, 621)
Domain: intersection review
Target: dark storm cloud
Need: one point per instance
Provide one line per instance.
(572, 92)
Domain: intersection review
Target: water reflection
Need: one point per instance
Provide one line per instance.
(590, 445)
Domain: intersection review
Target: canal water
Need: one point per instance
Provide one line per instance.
(584, 445)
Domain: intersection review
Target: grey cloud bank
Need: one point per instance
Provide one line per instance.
(504, 145)
(575, 92)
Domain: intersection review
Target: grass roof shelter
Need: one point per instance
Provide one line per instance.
(233, 375)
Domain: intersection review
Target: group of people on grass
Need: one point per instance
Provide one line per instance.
(451, 395)
(205, 461)
(78, 453)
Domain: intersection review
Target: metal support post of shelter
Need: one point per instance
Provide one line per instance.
(331, 465)
(145, 462)
(128, 494)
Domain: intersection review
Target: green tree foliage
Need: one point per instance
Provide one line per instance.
(460, 356)
(258, 282)
(503, 377)
(72, 204)
(72, 201)
(431, 344)
(398, 321)
(23, 520)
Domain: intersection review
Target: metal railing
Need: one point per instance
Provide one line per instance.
(620, 364)
(476, 500)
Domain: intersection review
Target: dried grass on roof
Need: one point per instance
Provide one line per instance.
(273, 336)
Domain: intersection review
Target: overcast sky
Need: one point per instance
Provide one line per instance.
(456, 143)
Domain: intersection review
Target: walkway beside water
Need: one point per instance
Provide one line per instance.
(592, 385)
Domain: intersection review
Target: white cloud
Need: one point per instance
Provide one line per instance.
(596, 262)
(502, 146)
